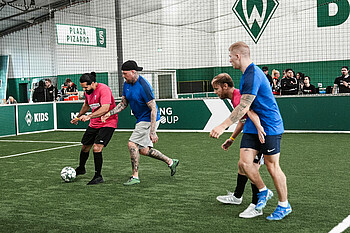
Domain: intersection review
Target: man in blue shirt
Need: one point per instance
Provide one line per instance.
(257, 95)
(139, 94)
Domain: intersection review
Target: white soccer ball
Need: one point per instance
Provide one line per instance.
(68, 174)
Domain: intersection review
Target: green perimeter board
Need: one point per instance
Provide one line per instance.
(185, 114)
(7, 120)
(326, 113)
(35, 117)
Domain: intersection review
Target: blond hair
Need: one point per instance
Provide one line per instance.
(274, 72)
(241, 48)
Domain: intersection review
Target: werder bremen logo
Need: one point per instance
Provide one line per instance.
(28, 118)
(255, 15)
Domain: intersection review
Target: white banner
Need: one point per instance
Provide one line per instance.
(80, 35)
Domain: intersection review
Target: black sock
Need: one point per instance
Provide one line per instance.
(255, 191)
(98, 163)
(241, 181)
(83, 158)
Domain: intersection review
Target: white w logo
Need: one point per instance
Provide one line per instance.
(255, 15)
(261, 12)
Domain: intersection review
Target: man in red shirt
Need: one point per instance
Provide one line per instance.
(99, 98)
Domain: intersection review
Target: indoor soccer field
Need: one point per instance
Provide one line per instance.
(35, 199)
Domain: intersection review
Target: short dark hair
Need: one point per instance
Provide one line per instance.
(346, 67)
(222, 78)
(308, 78)
(265, 68)
(88, 78)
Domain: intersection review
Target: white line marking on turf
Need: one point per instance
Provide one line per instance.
(341, 226)
(37, 141)
(38, 151)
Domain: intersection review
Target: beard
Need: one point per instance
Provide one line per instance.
(89, 91)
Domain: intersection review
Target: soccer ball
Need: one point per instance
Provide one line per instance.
(68, 174)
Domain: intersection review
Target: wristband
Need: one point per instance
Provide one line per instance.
(76, 118)
(232, 138)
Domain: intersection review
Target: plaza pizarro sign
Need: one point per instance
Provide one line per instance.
(255, 15)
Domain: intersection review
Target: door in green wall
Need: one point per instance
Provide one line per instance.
(23, 93)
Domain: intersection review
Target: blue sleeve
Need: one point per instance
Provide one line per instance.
(147, 93)
(250, 83)
(124, 94)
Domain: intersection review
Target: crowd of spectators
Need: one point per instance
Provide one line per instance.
(46, 92)
(300, 84)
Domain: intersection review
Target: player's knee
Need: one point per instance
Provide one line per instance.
(131, 145)
(242, 166)
(86, 148)
(97, 148)
(149, 152)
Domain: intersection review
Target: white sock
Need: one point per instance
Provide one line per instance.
(136, 177)
(283, 203)
(171, 164)
(263, 189)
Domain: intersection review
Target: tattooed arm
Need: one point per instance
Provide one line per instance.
(152, 105)
(237, 113)
(120, 107)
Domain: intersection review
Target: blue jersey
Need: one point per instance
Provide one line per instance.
(255, 82)
(138, 95)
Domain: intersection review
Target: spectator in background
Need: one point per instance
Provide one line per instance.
(308, 88)
(300, 79)
(276, 85)
(265, 69)
(289, 84)
(39, 94)
(11, 100)
(63, 92)
(341, 83)
(72, 89)
(51, 91)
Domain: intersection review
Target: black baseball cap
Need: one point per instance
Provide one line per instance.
(131, 65)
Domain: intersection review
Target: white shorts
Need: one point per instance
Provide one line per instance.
(140, 135)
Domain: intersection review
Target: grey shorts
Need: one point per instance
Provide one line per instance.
(140, 135)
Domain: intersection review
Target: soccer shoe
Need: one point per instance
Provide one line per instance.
(96, 180)
(132, 181)
(250, 212)
(229, 199)
(263, 196)
(173, 167)
(80, 171)
(280, 212)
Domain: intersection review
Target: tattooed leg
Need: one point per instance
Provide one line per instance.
(156, 154)
(135, 157)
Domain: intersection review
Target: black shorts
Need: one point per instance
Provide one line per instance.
(271, 146)
(97, 136)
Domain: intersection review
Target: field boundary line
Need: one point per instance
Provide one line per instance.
(38, 151)
(5, 140)
(341, 226)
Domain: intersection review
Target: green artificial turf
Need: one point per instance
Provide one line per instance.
(35, 199)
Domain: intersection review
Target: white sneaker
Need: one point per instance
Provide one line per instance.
(229, 199)
(250, 212)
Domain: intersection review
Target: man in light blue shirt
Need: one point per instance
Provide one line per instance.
(139, 94)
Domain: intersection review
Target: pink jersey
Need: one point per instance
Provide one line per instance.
(100, 96)
(236, 99)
